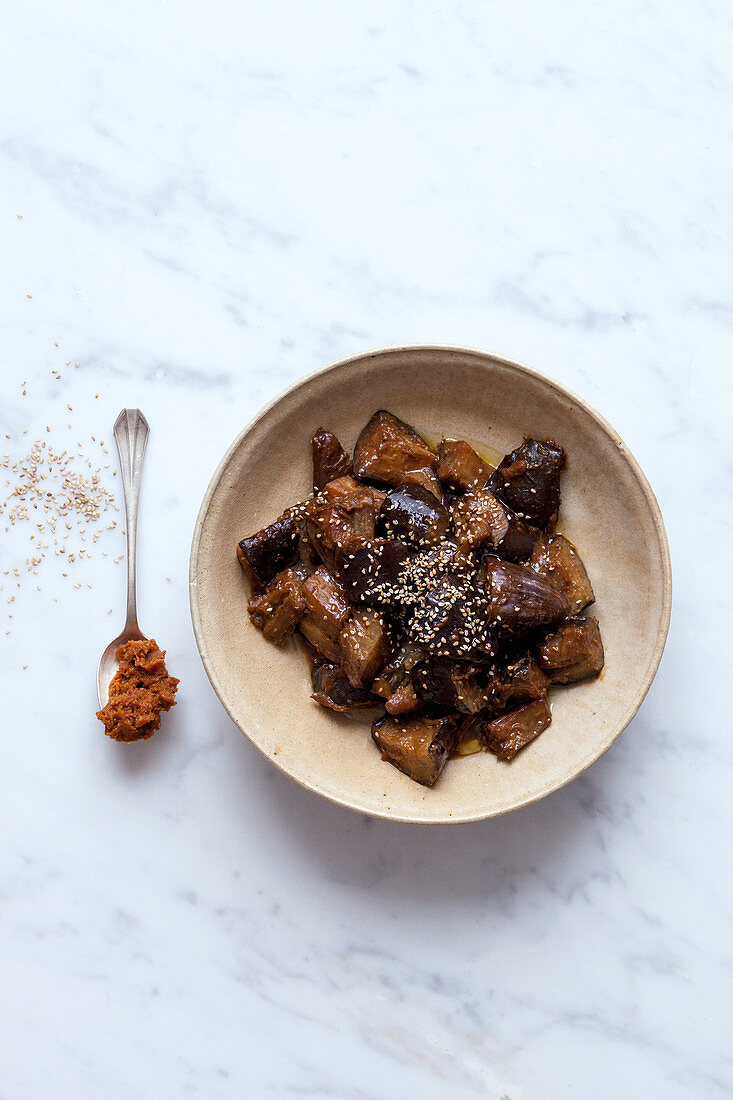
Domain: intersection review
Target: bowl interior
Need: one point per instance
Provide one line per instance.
(608, 510)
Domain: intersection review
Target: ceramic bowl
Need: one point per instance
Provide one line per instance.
(608, 510)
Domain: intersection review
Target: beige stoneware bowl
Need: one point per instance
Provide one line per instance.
(608, 509)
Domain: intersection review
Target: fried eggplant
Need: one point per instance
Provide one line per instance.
(340, 519)
(506, 735)
(455, 685)
(479, 518)
(330, 460)
(327, 611)
(519, 599)
(372, 574)
(556, 560)
(403, 700)
(396, 673)
(419, 746)
(413, 515)
(278, 610)
(450, 618)
(432, 586)
(364, 645)
(460, 467)
(520, 681)
(391, 452)
(268, 551)
(572, 652)
(528, 481)
(332, 689)
(518, 542)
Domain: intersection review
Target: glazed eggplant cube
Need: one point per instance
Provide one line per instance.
(364, 646)
(419, 746)
(506, 735)
(397, 673)
(427, 567)
(403, 700)
(468, 741)
(572, 652)
(479, 518)
(330, 460)
(521, 681)
(450, 619)
(460, 467)
(518, 542)
(268, 551)
(391, 452)
(379, 496)
(332, 689)
(528, 481)
(432, 680)
(279, 609)
(340, 519)
(413, 515)
(326, 612)
(372, 574)
(456, 685)
(556, 560)
(519, 599)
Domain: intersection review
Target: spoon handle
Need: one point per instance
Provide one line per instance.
(131, 436)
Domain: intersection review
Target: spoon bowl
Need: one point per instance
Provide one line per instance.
(108, 663)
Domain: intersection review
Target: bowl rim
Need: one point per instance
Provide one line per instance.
(520, 368)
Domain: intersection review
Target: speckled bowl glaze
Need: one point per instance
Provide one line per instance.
(608, 510)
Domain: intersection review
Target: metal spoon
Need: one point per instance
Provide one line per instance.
(131, 433)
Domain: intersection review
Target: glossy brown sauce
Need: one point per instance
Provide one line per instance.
(140, 689)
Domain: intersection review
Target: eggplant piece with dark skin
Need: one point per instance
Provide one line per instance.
(519, 599)
(458, 686)
(479, 518)
(518, 542)
(528, 481)
(460, 467)
(391, 452)
(413, 515)
(278, 610)
(269, 551)
(506, 735)
(396, 673)
(327, 611)
(450, 619)
(572, 652)
(403, 700)
(556, 560)
(340, 519)
(468, 741)
(330, 460)
(521, 681)
(372, 574)
(364, 646)
(332, 689)
(432, 680)
(419, 746)
(427, 567)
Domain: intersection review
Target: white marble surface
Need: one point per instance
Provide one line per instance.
(217, 198)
